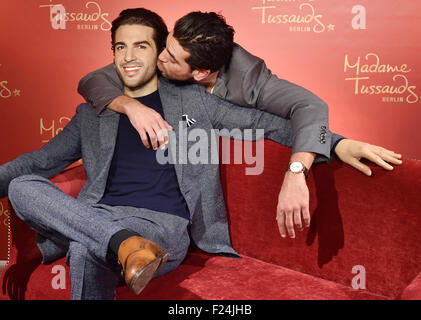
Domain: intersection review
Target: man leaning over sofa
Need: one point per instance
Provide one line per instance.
(201, 50)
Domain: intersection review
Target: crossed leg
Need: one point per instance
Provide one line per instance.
(86, 230)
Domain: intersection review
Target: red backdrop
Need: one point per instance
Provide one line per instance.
(361, 57)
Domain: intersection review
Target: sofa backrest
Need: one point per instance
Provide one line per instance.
(361, 226)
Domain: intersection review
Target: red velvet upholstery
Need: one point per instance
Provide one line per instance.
(372, 222)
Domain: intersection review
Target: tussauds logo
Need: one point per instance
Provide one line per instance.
(6, 91)
(305, 17)
(91, 17)
(49, 132)
(366, 71)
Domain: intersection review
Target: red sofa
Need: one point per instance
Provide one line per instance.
(361, 227)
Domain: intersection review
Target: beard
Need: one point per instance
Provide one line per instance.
(137, 79)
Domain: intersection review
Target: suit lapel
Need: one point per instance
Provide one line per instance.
(173, 110)
(108, 128)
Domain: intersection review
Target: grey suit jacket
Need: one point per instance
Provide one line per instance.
(92, 137)
(245, 81)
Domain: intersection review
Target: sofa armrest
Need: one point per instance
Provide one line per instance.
(21, 239)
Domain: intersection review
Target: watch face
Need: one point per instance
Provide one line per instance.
(296, 167)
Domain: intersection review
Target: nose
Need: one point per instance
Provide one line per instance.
(129, 56)
(163, 56)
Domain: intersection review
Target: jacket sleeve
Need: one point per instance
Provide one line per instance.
(99, 88)
(261, 89)
(224, 115)
(308, 113)
(51, 159)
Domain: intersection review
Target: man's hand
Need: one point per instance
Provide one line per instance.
(294, 199)
(351, 152)
(293, 204)
(145, 120)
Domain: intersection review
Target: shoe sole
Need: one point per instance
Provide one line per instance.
(164, 259)
(145, 274)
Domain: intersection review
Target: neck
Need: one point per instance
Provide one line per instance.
(142, 90)
(210, 81)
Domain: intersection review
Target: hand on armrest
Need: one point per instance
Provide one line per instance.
(146, 121)
(351, 152)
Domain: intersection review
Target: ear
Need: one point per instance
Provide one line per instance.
(199, 75)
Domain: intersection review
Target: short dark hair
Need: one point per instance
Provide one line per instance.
(143, 17)
(208, 39)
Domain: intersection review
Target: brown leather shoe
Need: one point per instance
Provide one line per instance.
(140, 259)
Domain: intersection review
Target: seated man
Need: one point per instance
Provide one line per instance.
(134, 214)
(201, 50)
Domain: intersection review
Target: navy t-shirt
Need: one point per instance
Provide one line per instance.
(136, 179)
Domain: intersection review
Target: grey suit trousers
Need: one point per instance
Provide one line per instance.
(82, 231)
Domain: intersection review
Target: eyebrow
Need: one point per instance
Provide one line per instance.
(136, 43)
(143, 42)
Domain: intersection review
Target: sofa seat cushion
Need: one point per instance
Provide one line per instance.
(200, 277)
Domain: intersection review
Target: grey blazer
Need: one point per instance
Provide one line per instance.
(245, 81)
(92, 137)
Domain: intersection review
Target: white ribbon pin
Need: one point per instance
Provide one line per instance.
(190, 122)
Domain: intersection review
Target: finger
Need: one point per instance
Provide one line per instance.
(289, 223)
(280, 218)
(378, 160)
(166, 125)
(163, 138)
(152, 137)
(160, 134)
(297, 218)
(390, 156)
(144, 138)
(392, 153)
(306, 216)
(162, 123)
(360, 166)
(392, 159)
(396, 155)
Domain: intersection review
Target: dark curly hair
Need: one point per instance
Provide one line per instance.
(143, 17)
(208, 39)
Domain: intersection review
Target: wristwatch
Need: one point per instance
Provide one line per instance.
(298, 167)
